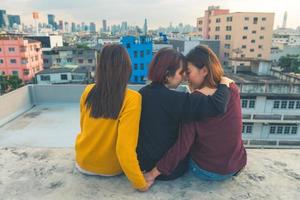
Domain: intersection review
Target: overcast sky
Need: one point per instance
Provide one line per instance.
(157, 12)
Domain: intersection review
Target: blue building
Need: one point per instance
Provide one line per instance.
(140, 51)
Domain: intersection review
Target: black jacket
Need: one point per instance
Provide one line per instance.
(162, 112)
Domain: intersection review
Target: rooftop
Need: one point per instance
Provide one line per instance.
(38, 126)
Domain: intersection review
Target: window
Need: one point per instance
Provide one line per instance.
(26, 72)
(1, 61)
(244, 103)
(244, 37)
(251, 50)
(13, 61)
(260, 46)
(246, 18)
(200, 22)
(217, 37)
(128, 45)
(229, 19)
(45, 77)
(255, 19)
(279, 129)
(200, 29)
(291, 104)
(252, 41)
(64, 77)
(0, 49)
(247, 128)
(142, 66)
(253, 32)
(142, 78)
(228, 28)
(261, 37)
(227, 46)
(218, 20)
(228, 37)
(294, 130)
(58, 60)
(135, 54)
(24, 61)
(15, 73)
(90, 61)
(245, 27)
(262, 28)
(135, 66)
(283, 104)
(226, 54)
(148, 52)
(259, 55)
(135, 79)
(69, 60)
(142, 54)
(264, 19)
(276, 104)
(252, 103)
(287, 130)
(11, 49)
(244, 46)
(217, 28)
(298, 105)
(80, 61)
(272, 129)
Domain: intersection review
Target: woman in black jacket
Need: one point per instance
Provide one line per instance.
(163, 109)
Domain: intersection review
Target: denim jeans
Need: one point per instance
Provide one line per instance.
(206, 175)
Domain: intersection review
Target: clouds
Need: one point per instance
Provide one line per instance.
(158, 12)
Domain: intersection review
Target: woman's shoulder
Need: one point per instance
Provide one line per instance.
(132, 95)
(234, 88)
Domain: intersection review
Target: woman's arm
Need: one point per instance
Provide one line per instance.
(127, 142)
(168, 163)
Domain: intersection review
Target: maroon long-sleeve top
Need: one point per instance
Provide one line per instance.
(214, 144)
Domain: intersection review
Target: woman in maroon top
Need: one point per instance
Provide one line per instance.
(215, 145)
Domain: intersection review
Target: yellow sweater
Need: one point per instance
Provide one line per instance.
(107, 146)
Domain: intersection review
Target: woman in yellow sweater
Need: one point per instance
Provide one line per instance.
(109, 121)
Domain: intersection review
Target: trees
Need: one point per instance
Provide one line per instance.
(290, 63)
(9, 83)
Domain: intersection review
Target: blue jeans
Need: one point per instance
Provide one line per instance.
(206, 175)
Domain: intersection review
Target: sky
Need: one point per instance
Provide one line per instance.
(157, 12)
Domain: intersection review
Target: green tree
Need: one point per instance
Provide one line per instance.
(290, 63)
(14, 82)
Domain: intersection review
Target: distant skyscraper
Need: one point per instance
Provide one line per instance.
(14, 19)
(92, 27)
(66, 27)
(51, 21)
(104, 25)
(73, 27)
(3, 19)
(145, 27)
(60, 25)
(284, 19)
(124, 26)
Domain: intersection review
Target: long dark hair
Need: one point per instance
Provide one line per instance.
(112, 74)
(165, 63)
(202, 56)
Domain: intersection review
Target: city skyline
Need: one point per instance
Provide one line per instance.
(134, 11)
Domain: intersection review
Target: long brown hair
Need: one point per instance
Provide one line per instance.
(112, 74)
(202, 56)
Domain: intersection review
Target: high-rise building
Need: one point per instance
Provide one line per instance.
(3, 19)
(140, 52)
(92, 27)
(242, 35)
(145, 27)
(14, 19)
(60, 25)
(104, 25)
(73, 27)
(284, 19)
(51, 21)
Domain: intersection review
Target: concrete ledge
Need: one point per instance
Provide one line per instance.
(49, 173)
